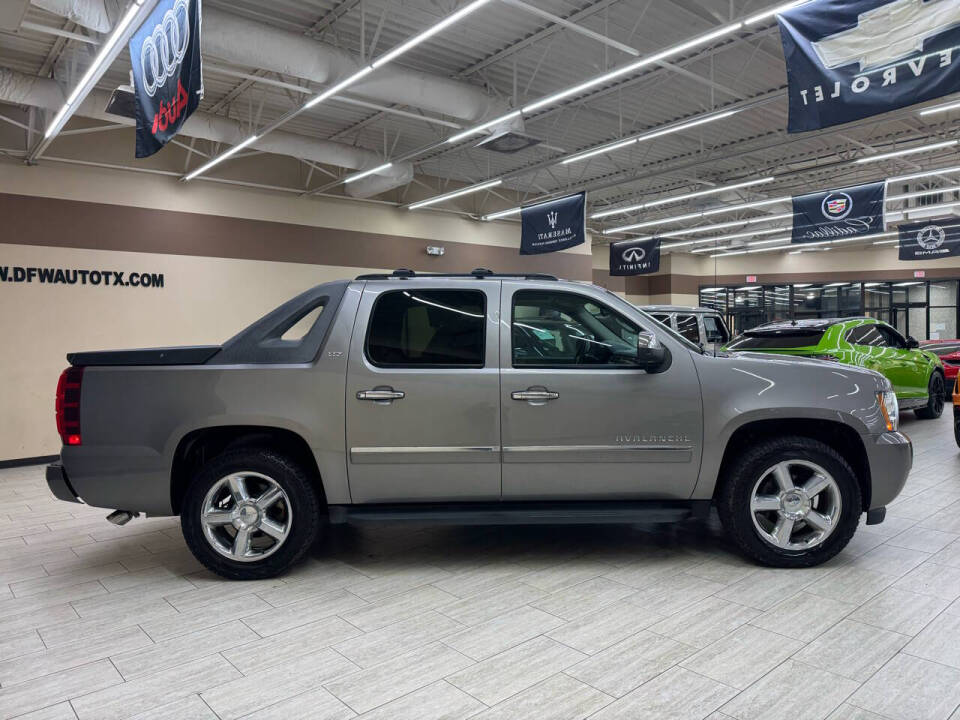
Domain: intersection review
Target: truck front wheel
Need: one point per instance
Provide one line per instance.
(250, 514)
(790, 502)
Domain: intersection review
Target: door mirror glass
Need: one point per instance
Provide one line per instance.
(652, 356)
(912, 343)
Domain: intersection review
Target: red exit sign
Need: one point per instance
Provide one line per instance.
(751, 278)
(919, 273)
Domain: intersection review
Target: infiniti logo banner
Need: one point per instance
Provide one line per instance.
(635, 257)
(167, 72)
(838, 213)
(853, 59)
(930, 239)
(553, 225)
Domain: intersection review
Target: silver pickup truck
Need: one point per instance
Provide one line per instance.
(475, 398)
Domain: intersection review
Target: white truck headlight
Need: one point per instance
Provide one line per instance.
(890, 409)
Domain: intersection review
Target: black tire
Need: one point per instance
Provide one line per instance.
(935, 399)
(734, 496)
(305, 512)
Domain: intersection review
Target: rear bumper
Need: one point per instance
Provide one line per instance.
(58, 483)
(891, 456)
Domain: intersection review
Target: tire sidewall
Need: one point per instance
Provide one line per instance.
(305, 513)
(736, 496)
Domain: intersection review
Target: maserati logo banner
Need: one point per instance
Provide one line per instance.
(838, 213)
(635, 257)
(554, 225)
(930, 239)
(167, 72)
(850, 59)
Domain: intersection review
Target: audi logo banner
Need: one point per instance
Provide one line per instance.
(167, 72)
(635, 257)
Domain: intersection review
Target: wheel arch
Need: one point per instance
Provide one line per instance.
(200, 446)
(837, 435)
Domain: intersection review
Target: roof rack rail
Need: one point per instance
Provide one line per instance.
(477, 273)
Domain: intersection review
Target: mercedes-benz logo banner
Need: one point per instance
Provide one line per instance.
(839, 213)
(635, 257)
(850, 59)
(930, 239)
(167, 72)
(554, 225)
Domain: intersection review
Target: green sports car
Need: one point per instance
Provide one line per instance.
(917, 375)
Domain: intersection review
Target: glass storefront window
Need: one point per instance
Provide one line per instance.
(923, 309)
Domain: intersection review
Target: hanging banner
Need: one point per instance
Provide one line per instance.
(850, 59)
(635, 257)
(930, 239)
(554, 225)
(167, 72)
(840, 213)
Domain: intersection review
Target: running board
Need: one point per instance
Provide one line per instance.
(523, 513)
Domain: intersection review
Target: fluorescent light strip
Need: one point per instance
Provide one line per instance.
(835, 241)
(502, 214)
(775, 11)
(703, 214)
(342, 85)
(940, 109)
(921, 193)
(106, 49)
(365, 173)
(456, 193)
(679, 198)
(908, 151)
(926, 173)
(428, 33)
(220, 158)
(649, 136)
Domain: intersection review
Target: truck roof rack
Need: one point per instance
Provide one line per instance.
(477, 273)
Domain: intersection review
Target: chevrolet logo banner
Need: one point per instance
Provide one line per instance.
(167, 72)
(850, 59)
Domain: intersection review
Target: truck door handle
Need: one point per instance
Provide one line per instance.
(381, 395)
(534, 395)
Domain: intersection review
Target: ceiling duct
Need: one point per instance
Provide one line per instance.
(22, 89)
(246, 43)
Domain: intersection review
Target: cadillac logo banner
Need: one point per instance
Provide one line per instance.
(167, 72)
(838, 213)
(554, 225)
(850, 59)
(930, 239)
(635, 257)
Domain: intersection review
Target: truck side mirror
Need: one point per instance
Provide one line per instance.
(912, 343)
(652, 356)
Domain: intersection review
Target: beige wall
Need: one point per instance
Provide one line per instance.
(205, 299)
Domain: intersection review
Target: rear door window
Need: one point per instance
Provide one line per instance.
(661, 318)
(688, 326)
(432, 328)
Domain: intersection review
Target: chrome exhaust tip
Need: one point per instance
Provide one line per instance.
(122, 517)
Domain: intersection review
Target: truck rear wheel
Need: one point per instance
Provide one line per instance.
(790, 502)
(250, 514)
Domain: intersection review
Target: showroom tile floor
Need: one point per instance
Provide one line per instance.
(395, 622)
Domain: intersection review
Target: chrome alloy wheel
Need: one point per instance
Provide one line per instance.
(246, 516)
(795, 505)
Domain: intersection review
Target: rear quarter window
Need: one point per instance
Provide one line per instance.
(779, 341)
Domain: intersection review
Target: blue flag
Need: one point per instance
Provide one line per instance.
(167, 72)
(554, 225)
(839, 213)
(850, 59)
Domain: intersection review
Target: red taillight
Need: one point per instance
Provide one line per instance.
(68, 406)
